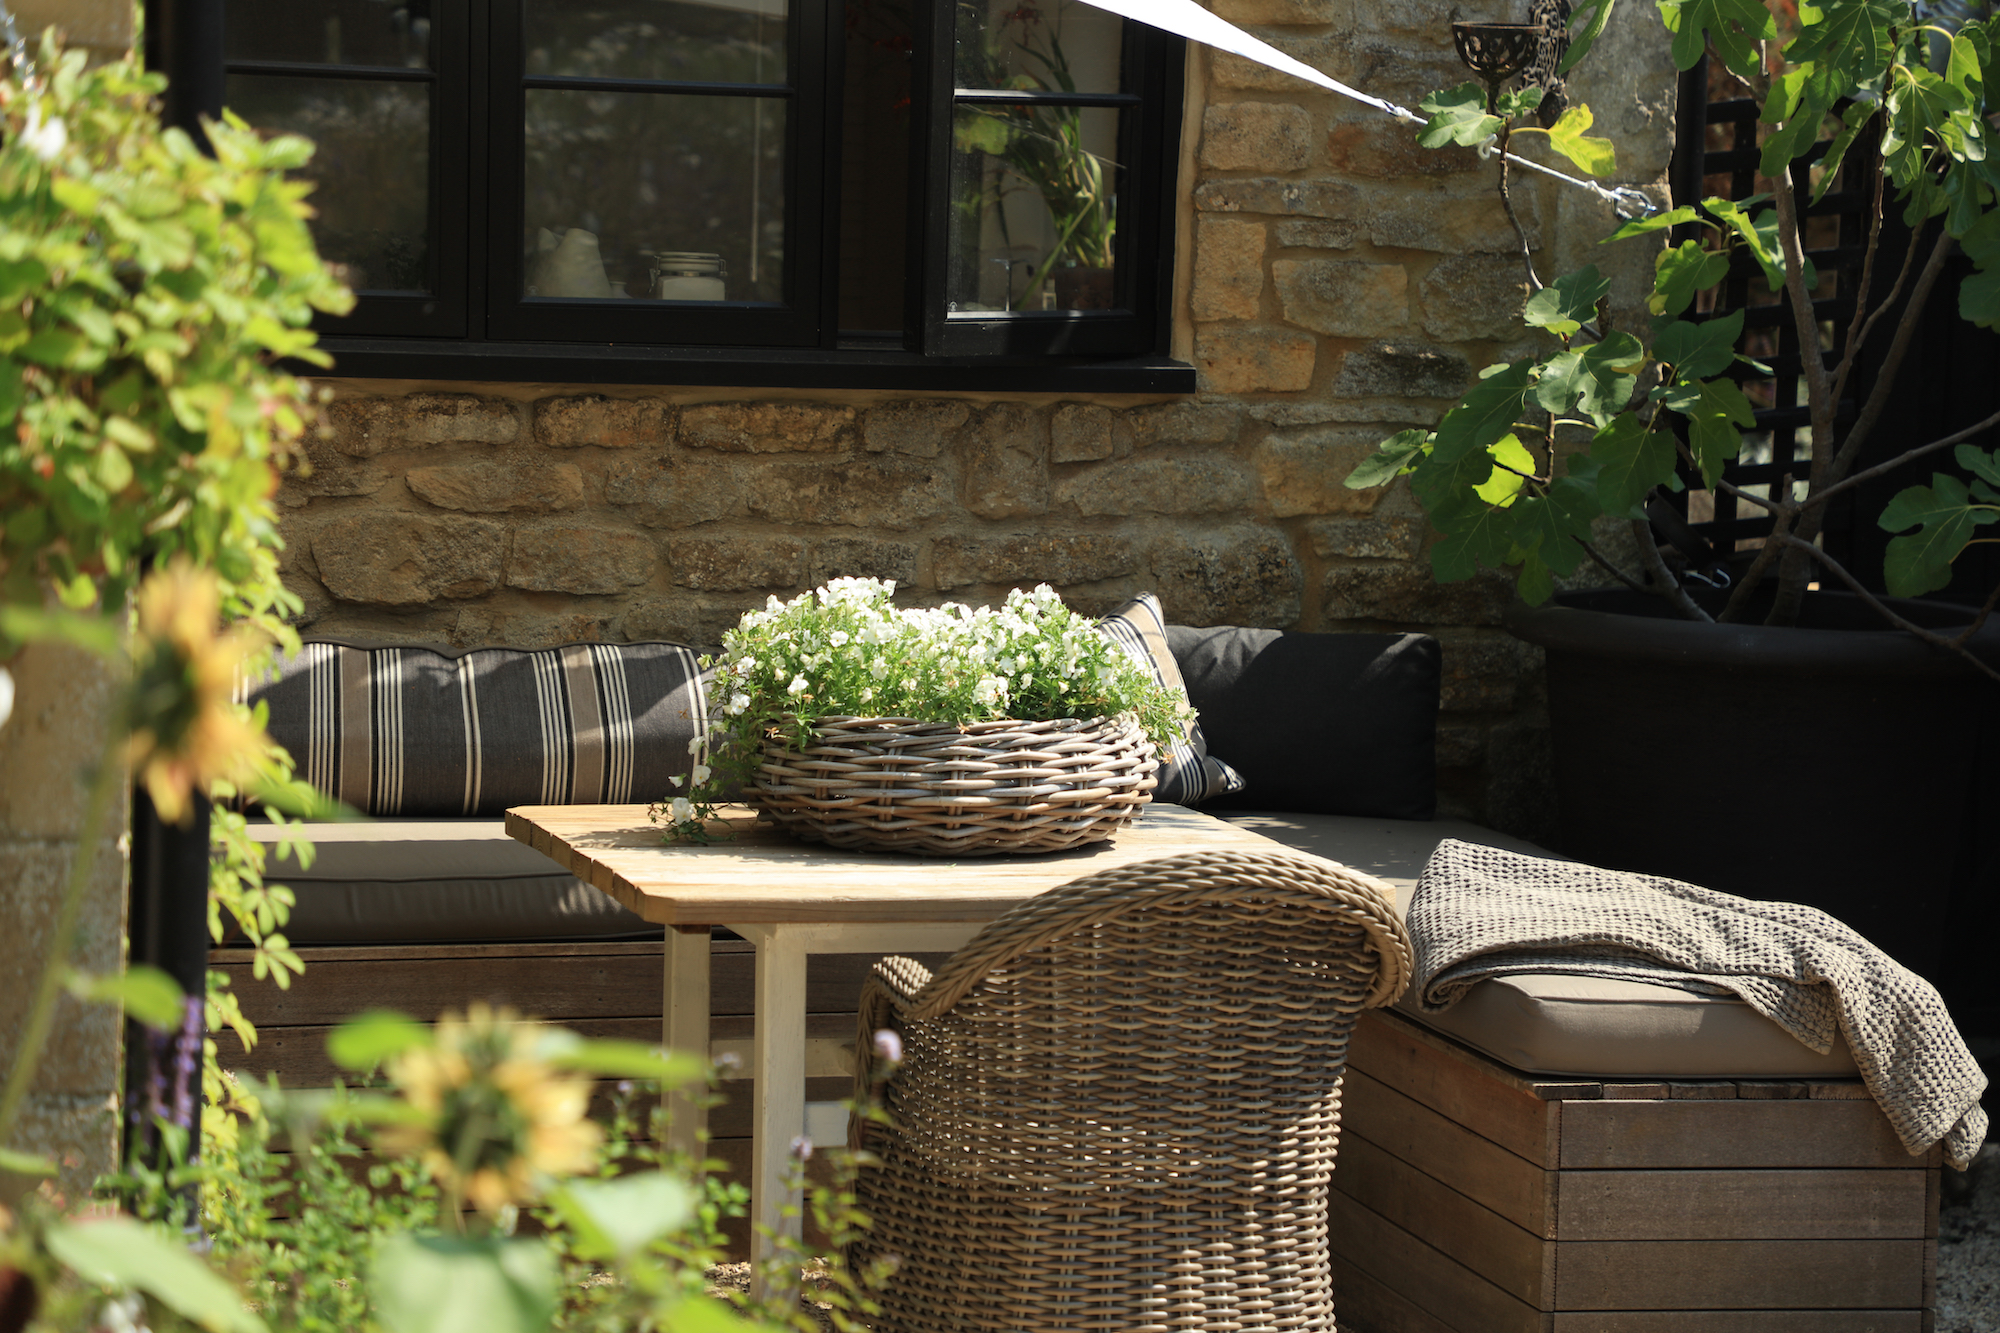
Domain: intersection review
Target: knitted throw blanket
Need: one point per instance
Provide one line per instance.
(1481, 912)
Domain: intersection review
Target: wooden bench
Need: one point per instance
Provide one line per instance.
(1472, 1198)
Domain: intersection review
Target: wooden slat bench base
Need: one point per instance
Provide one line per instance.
(1472, 1198)
(610, 989)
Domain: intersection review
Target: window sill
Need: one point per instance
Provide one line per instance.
(739, 367)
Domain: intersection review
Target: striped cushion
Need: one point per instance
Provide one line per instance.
(1189, 774)
(411, 731)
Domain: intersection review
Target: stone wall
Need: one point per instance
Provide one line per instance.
(1343, 284)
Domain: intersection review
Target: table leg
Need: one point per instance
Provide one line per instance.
(779, 1060)
(686, 1029)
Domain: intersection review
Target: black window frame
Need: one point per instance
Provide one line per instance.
(796, 344)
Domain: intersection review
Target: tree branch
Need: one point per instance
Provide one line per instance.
(1609, 568)
(1892, 362)
(1739, 597)
(1666, 584)
(1812, 358)
(1956, 645)
(1908, 456)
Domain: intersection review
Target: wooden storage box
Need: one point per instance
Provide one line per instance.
(1472, 1198)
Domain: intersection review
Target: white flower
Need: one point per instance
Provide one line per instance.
(738, 702)
(798, 685)
(990, 690)
(6, 695)
(888, 1046)
(701, 773)
(682, 810)
(44, 139)
(694, 743)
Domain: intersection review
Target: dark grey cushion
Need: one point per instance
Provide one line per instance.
(438, 881)
(412, 731)
(1337, 724)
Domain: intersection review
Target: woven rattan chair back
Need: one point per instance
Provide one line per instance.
(1119, 1105)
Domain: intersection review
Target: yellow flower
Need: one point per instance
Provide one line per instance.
(497, 1120)
(183, 729)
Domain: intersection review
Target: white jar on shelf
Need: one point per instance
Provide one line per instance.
(687, 275)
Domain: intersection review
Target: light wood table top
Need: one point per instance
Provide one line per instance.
(762, 874)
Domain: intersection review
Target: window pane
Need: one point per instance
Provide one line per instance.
(330, 32)
(1033, 208)
(631, 194)
(372, 167)
(1062, 46)
(875, 168)
(703, 41)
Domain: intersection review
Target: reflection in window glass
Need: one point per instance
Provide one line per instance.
(330, 32)
(1061, 46)
(1033, 208)
(372, 168)
(649, 195)
(702, 41)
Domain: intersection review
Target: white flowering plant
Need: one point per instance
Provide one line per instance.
(846, 650)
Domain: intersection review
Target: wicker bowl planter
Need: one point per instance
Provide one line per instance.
(896, 784)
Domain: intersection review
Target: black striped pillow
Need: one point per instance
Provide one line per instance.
(1189, 774)
(412, 731)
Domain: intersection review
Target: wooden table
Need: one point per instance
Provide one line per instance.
(791, 899)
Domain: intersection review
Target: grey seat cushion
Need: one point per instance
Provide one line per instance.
(1544, 1024)
(438, 881)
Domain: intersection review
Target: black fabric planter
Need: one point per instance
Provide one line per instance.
(1839, 764)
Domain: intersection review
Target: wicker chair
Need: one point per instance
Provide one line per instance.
(1118, 1105)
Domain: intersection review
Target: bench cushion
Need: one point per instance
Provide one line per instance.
(1563, 1025)
(1189, 774)
(1332, 724)
(416, 731)
(438, 881)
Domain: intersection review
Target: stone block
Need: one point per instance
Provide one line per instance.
(1253, 360)
(1373, 538)
(1228, 269)
(400, 559)
(79, 1132)
(1391, 413)
(1278, 11)
(769, 428)
(1025, 559)
(1267, 194)
(863, 558)
(918, 427)
(1256, 136)
(1321, 51)
(1401, 71)
(1200, 485)
(532, 625)
(1080, 433)
(699, 621)
(1408, 595)
(326, 472)
(1183, 423)
(874, 491)
(607, 423)
(1459, 217)
(1520, 781)
(580, 558)
(1469, 297)
(1375, 146)
(1483, 670)
(1318, 233)
(1241, 575)
(1006, 455)
(1461, 745)
(673, 490)
(1303, 473)
(1402, 370)
(732, 564)
(82, 1053)
(105, 26)
(490, 487)
(1344, 298)
(63, 697)
(365, 427)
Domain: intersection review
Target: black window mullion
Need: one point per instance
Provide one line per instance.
(797, 319)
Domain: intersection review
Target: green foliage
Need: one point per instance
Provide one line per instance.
(1508, 476)
(119, 1252)
(145, 291)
